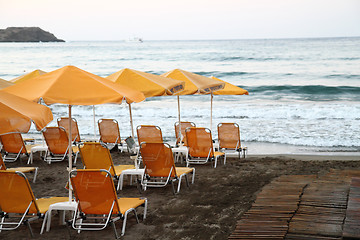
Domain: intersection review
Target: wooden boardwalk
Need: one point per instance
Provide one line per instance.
(304, 207)
(352, 221)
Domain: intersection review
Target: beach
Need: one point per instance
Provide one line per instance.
(301, 117)
(208, 209)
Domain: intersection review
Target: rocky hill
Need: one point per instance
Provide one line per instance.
(27, 34)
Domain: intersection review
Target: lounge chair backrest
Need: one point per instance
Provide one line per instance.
(149, 133)
(229, 135)
(2, 164)
(56, 139)
(109, 131)
(64, 122)
(158, 159)
(184, 125)
(16, 194)
(199, 142)
(94, 155)
(13, 143)
(94, 190)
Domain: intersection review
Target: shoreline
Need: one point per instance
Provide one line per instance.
(263, 149)
(276, 149)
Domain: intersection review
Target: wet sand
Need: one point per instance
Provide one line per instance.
(208, 209)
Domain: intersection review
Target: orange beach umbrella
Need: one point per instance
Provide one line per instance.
(229, 89)
(150, 85)
(18, 113)
(194, 84)
(5, 84)
(29, 75)
(73, 86)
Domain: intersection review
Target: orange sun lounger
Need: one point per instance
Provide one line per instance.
(98, 204)
(57, 140)
(229, 139)
(20, 169)
(160, 168)
(18, 202)
(182, 137)
(75, 134)
(110, 133)
(97, 156)
(149, 133)
(200, 145)
(13, 144)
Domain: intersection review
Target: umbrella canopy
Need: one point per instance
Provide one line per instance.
(149, 84)
(194, 83)
(5, 84)
(229, 89)
(73, 86)
(29, 75)
(18, 113)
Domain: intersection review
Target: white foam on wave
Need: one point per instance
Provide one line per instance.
(322, 124)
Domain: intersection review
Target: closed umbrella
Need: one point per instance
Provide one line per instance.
(150, 85)
(17, 114)
(73, 86)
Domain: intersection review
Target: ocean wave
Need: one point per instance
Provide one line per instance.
(225, 74)
(240, 58)
(303, 89)
(346, 76)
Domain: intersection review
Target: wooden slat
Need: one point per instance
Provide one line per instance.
(352, 221)
(305, 207)
(275, 205)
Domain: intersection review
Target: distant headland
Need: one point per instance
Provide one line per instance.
(27, 34)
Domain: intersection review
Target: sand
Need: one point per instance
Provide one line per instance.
(208, 209)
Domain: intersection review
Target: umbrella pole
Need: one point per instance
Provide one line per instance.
(70, 151)
(94, 122)
(180, 138)
(211, 109)
(131, 121)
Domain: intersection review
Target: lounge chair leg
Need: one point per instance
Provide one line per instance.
(179, 184)
(115, 231)
(187, 180)
(1, 223)
(27, 223)
(30, 159)
(35, 174)
(173, 187)
(145, 209)
(124, 224)
(137, 219)
(215, 162)
(44, 222)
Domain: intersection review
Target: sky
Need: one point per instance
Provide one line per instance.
(74, 20)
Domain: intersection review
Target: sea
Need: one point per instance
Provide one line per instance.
(304, 94)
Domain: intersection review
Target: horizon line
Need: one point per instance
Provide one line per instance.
(214, 39)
